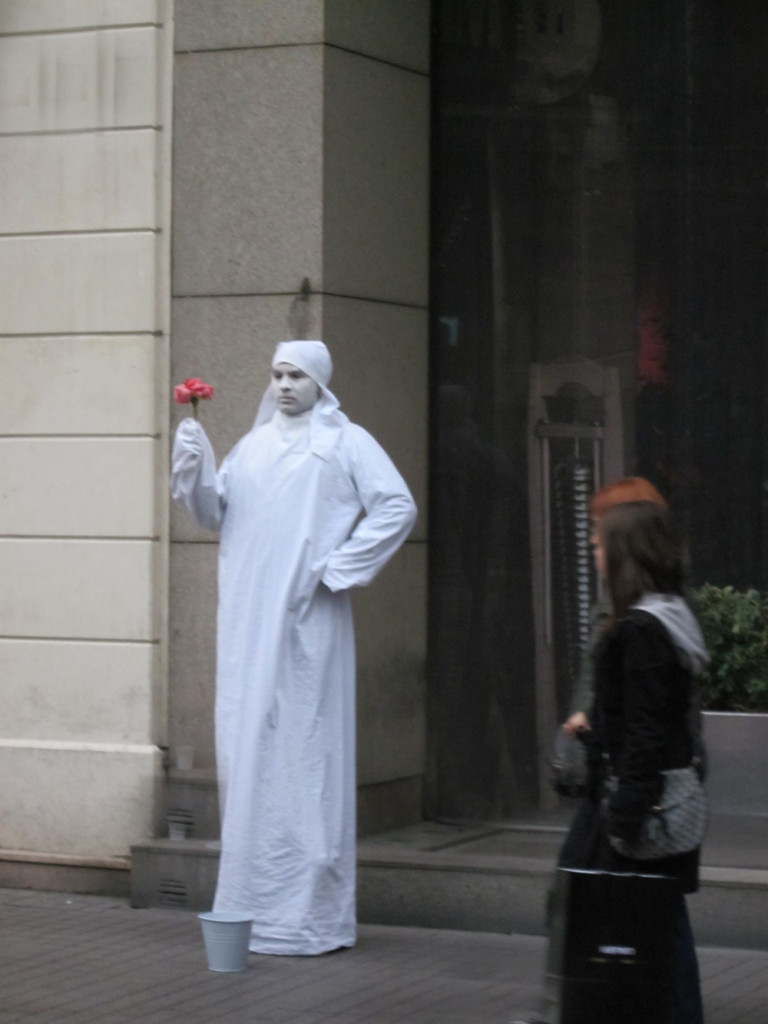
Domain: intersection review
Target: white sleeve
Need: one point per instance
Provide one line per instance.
(390, 513)
(194, 481)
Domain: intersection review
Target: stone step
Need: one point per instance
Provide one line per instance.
(499, 883)
(174, 873)
(478, 878)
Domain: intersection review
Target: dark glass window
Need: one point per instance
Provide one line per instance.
(600, 250)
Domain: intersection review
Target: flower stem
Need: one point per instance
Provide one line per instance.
(194, 406)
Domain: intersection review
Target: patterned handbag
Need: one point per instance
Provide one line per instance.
(677, 824)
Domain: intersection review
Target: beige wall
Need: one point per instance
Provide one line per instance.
(84, 210)
(301, 134)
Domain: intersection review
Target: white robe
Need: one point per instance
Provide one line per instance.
(285, 697)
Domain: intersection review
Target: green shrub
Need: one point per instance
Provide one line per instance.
(735, 628)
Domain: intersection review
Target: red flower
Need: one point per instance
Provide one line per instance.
(198, 388)
(192, 390)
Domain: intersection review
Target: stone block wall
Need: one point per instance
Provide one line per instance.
(84, 255)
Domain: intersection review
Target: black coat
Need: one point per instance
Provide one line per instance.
(641, 727)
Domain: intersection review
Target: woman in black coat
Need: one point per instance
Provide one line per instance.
(645, 718)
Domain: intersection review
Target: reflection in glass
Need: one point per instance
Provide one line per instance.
(600, 186)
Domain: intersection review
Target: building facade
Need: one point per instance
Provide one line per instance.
(184, 186)
(533, 234)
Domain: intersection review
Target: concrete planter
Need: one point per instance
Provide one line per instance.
(737, 746)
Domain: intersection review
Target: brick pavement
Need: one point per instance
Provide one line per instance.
(94, 960)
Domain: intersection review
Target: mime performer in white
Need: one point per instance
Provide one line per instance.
(288, 500)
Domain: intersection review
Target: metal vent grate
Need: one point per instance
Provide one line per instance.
(181, 823)
(172, 893)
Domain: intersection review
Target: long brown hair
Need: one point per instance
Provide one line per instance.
(642, 553)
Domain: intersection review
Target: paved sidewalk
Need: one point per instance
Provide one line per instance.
(94, 960)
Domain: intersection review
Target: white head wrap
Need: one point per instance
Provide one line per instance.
(327, 418)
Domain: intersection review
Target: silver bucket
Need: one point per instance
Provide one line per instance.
(226, 934)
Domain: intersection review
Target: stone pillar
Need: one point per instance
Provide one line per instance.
(84, 212)
(301, 141)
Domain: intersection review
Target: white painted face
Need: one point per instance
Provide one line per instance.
(293, 390)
